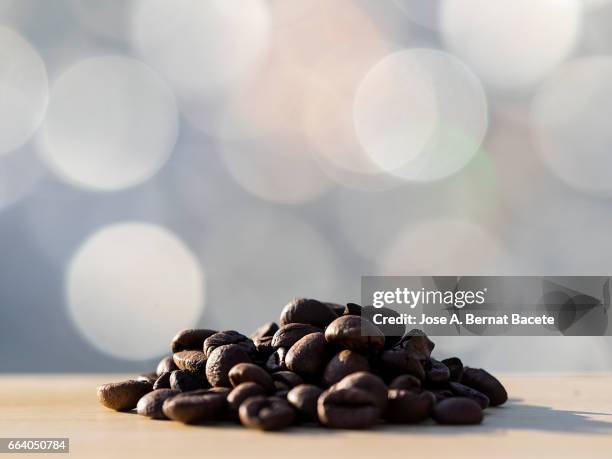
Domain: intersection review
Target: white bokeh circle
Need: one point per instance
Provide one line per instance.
(112, 123)
(570, 118)
(511, 44)
(131, 286)
(201, 47)
(421, 114)
(24, 90)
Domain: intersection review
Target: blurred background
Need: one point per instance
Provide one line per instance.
(171, 164)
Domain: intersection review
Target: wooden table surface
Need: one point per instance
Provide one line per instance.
(553, 415)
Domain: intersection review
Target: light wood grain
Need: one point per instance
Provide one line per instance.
(560, 416)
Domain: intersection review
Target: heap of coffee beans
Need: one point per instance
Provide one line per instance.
(325, 363)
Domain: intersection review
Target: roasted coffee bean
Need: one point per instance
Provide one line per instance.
(399, 361)
(308, 355)
(455, 366)
(266, 413)
(457, 410)
(441, 394)
(249, 372)
(191, 339)
(263, 348)
(464, 391)
(418, 344)
(276, 361)
(151, 404)
(306, 311)
(351, 309)
(304, 399)
(285, 380)
(337, 308)
(406, 382)
(484, 382)
(393, 331)
(406, 406)
(194, 361)
(219, 390)
(123, 396)
(281, 394)
(166, 365)
(289, 334)
(163, 382)
(148, 377)
(224, 338)
(355, 333)
(267, 329)
(367, 382)
(241, 392)
(342, 364)
(436, 371)
(347, 409)
(185, 381)
(221, 360)
(191, 408)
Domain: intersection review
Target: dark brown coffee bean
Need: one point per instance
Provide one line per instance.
(249, 372)
(241, 392)
(226, 337)
(267, 329)
(342, 364)
(148, 377)
(281, 394)
(457, 410)
(337, 308)
(304, 399)
(406, 382)
(263, 349)
(347, 409)
(464, 391)
(185, 381)
(398, 361)
(418, 344)
(289, 334)
(393, 331)
(151, 404)
(194, 361)
(351, 309)
(306, 311)
(166, 365)
(436, 372)
(308, 355)
(355, 333)
(191, 408)
(191, 339)
(484, 382)
(368, 382)
(455, 367)
(441, 394)
(163, 382)
(123, 396)
(406, 406)
(219, 390)
(266, 413)
(221, 360)
(276, 361)
(285, 380)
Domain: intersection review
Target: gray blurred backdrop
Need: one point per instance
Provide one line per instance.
(169, 164)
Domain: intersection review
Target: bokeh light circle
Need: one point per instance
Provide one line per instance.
(24, 90)
(202, 47)
(421, 114)
(570, 117)
(131, 286)
(112, 123)
(511, 44)
(445, 246)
